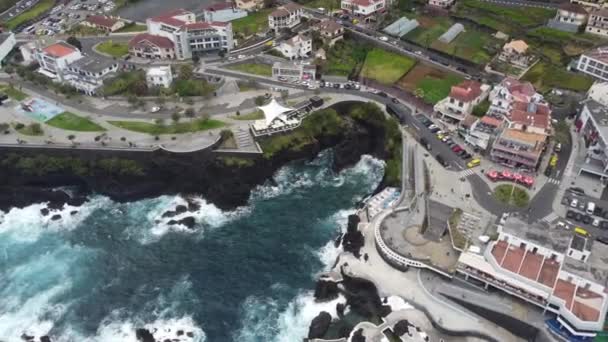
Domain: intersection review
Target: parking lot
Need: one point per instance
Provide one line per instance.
(18, 8)
(64, 17)
(593, 218)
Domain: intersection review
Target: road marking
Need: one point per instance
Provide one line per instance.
(554, 181)
(467, 172)
(550, 218)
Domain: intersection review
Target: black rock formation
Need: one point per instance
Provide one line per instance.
(353, 240)
(44, 211)
(189, 222)
(402, 327)
(144, 335)
(362, 296)
(319, 325)
(326, 290)
(26, 337)
(56, 217)
(45, 339)
(358, 336)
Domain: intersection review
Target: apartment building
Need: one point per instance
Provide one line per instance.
(145, 45)
(363, 8)
(592, 126)
(55, 58)
(531, 117)
(508, 91)
(561, 273)
(596, 4)
(516, 53)
(284, 17)
(188, 37)
(569, 18)
(298, 46)
(599, 92)
(462, 99)
(223, 12)
(103, 23)
(329, 30)
(441, 3)
(249, 5)
(598, 22)
(518, 149)
(594, 63)
(88, 73)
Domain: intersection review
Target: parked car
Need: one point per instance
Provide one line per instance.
(473, 163)
(574, 203)
(576, 190)
(451, 144)
(578, 217)
(466, 156)
(587, 219)
(384, 39)
(557, 147)
(604, 225)
(596, 222)
(434, 130)
(456, 149)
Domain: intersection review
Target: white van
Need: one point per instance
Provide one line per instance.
(590, 208)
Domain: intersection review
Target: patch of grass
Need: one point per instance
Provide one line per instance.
(546, 76)
(434, 89)
(257, 115)
(37, 10)
(344, 58)
(329, 5)
(237, 161)
(386, 67)
(73, 122)
(253, 68)
(132, 27)
(84, 30)
(6, 4)
(174, 128)
(114, 49)
(33, 129)
(254, 22)
(473, 45)
(503, 18)
(512, 195)
(430, 29)
(13, 92)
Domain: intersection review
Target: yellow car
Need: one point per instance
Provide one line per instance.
(439, 136)
(473, 163)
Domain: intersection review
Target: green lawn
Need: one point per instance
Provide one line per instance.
(386, 67)
(546, 76)
(429, 30)
(252, 23)
(173, 128)
(344, 58)
(329, 5)
(508, 19)
(257, 115)
(32, 130)
(132, 28)
(73, 122)
(435, 89)
(13, 92)
(473, 45)
(512, 195)
(113, 49)
(251, 68)
(39, 9)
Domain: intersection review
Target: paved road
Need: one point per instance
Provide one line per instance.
(520, 3)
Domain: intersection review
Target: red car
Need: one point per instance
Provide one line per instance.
(456, 148)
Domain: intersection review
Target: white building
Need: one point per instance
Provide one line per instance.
(286, 16)
(599, 93)
(55, 58)
(104, 23)
(516, 53)
(569, 17)
(592, 126)
(594, 63)
(298, 46)
(598, 22)
(591, 3)
(87, 74)
(223, 12)
(191, 38)
(462, 99)
(7, 43)
(28, 52)
(441, 3)
(363, 8)
(509, 91)
(561, 273)
(160, 76)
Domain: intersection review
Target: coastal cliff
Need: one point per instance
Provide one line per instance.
(34, 175)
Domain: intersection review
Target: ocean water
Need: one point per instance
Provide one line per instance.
(244, 275)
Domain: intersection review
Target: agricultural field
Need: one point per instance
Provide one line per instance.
(253, 68)
(429, 30)
(252, 23)
(345, 58)
(472, 45)
(429, 83)
(386, 67)
(503, 18)
(547, 76)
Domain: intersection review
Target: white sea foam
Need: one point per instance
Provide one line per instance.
(161, 329)
(329, 253)
(262, 320)
(26, 224)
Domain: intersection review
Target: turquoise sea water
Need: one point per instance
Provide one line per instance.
(244, 275)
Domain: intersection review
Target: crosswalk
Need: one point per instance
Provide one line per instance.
(550, 218)
(554, 181)
(467, 173)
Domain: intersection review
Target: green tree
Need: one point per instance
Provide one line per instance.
(159, 121)
(74, 42)
(175, 117)
(186, 72)
(36, 129)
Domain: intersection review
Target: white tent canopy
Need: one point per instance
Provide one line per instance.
(273, 110)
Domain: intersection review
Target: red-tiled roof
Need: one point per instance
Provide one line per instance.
(169, 17)
(279, 12)
(530, 119)
(328, 25)
(491, 121)
(285, 10)
(517, 87)
(513, 259)
(564, 290)
(219, 6)
(548, 272)
(531, 265)
(159, 41)
(466, 91)
(102, 20)
(499, 250)
(59, 50)
(585, 312)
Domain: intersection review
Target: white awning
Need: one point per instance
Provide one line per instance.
(273, 110)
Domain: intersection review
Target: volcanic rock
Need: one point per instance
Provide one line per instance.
(44, 211)
(73, 212)
(56, 217)
(319, 325)
(326, 290)
(144, 335)
(353, 240)
(26, 337)
(45, 339)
